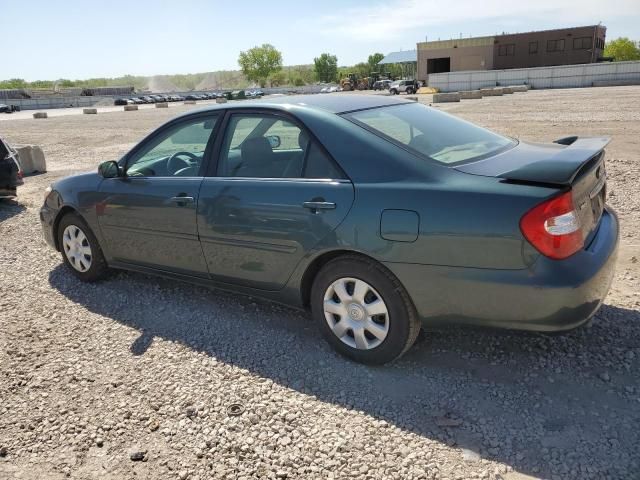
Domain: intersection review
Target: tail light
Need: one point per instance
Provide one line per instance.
(553, 227)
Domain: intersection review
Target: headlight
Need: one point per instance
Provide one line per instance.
(47, 191)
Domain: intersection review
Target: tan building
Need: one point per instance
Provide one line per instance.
(566, 46)
(455, 55)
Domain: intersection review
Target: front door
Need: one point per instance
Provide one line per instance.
(148, 217)
(276, 196)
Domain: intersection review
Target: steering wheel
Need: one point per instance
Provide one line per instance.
(176, 163)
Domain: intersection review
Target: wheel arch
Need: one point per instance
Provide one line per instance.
(56, 223)
(320, 261)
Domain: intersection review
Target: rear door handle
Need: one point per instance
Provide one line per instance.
(314, 206)
(181, 201)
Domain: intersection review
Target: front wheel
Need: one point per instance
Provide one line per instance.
(80, 250)
(363, 311)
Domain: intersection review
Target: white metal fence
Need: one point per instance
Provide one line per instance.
(564, 76)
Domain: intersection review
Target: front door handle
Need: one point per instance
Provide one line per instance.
(182, 201)
(315, 206)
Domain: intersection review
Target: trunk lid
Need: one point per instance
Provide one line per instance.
(572, 162)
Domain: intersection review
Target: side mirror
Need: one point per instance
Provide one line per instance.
(274, 141)
(110, 169)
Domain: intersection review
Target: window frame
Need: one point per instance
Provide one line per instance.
(143, 145)
(589, 42)
(535, 44)
(509, 50)
(556, 42)
(213, 166)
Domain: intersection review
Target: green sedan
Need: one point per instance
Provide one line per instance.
(375, 213)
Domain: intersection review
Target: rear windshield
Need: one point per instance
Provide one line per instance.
(431, 133)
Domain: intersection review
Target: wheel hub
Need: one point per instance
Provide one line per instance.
(356, 312)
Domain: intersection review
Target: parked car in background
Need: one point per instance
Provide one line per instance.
(402, 86)
(191, 97)
(9, 108)
(333, 89)
(324, 90)
(120, 101)
(444, 222)
(382, 85)
(10, 171)
(149, 99)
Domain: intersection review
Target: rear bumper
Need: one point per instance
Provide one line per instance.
(550, 296)
(47, 220)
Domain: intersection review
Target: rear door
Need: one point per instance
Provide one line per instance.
(275, 195)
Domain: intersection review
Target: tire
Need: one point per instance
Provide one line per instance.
(88, 265)
(395, 330)
(409, 91)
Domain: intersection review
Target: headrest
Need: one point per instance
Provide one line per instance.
(256, 151)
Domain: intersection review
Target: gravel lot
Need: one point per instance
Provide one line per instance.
(137, 377)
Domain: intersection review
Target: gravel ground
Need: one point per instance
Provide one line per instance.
(140, 377)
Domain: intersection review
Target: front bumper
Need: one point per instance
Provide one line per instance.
(550, 296)
(47, 220)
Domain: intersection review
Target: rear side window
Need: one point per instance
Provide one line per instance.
(431, 133)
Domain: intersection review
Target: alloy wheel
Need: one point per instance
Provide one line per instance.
(356, 313)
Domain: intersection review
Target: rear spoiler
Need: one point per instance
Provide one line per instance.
(564, 165)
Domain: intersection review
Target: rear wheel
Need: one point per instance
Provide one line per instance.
(409, 91)
(363, 311)
(80, 250)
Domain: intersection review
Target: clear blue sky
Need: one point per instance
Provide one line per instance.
(80, 39)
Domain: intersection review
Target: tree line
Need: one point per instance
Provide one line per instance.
(263, 65)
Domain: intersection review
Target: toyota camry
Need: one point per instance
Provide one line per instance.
(375, 213)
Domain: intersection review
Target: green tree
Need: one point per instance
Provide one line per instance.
(373, 61)
(622, 49)
(326, 67)
(258, 63)
(277, 79)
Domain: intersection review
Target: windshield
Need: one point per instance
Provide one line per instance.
(432, 133)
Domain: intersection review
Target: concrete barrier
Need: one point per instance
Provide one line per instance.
(218, 100)
(162, 105)
(189, 102)
(507, 90)
(470, 94)
(446, 97)
(90, 111)
(519, 88)
(130, 108)
(491, 92)
(40, 115)
(31, 158)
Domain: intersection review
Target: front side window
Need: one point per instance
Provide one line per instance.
(269, 146)
(177, 152)
(431, 133)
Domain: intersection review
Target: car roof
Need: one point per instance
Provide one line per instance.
(341, 103)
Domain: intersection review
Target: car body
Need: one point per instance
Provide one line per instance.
(120, 101)
(149, 99)
(459, 226)
(8, 108)
(402, 86)
(333, 89)
(382, 84)
(136, 100)
(10, 171)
